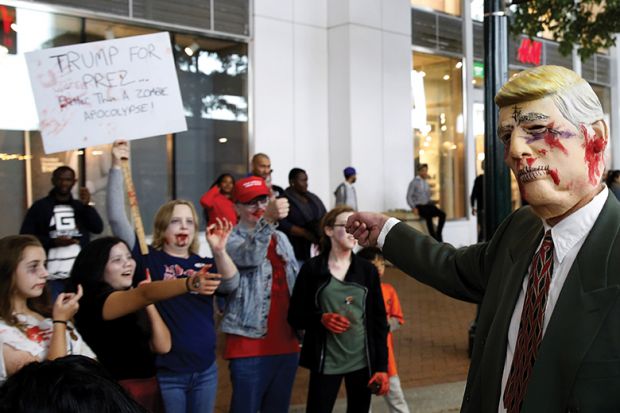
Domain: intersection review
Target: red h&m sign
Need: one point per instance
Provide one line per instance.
(8, 37)
(529, 52)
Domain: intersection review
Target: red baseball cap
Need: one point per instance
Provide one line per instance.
(247, 189)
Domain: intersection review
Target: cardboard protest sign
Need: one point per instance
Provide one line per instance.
(93, 93)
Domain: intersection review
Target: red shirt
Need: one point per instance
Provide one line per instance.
(393, 309)
(218, 206)
(280, 338)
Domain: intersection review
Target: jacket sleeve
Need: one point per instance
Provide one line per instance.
(410, 195)
(206, 200)
(116, 209)
(302, 312)
(341, 194)
(88, 217)
(378, 325)
(462, 273)
(32, 226)
(250, 249)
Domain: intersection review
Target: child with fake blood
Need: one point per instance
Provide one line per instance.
(27, 333)
(337, 300)
(187, 375)
(260, 344)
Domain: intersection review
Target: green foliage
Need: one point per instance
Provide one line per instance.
(571, 22)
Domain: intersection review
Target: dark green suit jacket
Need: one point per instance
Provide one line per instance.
(578, 365)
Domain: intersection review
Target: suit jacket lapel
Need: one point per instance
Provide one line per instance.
(492, 364)
(583, 304)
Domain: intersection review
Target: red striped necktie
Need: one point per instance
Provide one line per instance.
(531, 326)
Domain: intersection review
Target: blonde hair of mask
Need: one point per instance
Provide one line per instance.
(571, 94)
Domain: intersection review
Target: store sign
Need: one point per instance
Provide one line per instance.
(8, 36)
(93, 93)
(529, 51)
(478, 69)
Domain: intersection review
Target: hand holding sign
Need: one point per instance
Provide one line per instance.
(88, 94)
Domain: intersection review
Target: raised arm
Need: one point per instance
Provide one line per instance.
(217, 236)
(121, 227)
(65, 307)
(121, 303)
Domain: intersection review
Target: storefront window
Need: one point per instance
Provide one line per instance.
(438, 128)
(213, 81)
(447, 6)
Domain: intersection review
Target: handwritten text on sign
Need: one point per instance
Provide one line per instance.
(93, 93)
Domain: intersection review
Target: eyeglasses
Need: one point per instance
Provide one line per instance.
(254, 204)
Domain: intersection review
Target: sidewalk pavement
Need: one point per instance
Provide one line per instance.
(438, 398)
(431, 350)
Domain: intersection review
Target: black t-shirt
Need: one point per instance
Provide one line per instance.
(121, 345)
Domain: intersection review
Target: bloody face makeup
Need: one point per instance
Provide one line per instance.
(181, 229)
(250, 213)
(556, 164)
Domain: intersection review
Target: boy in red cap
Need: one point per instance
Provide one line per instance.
(261, 346)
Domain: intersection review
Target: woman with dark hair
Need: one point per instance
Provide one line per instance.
(337, 300)
(217, 201)
(27, 333)
(613, 182)
(111, 308)
(306, 210)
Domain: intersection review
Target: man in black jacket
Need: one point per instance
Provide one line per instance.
(63, 226)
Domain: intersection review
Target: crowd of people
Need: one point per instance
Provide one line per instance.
(148, 316)
(296, 293)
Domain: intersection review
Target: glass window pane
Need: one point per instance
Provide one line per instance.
(232, 16)
(12, 182)
(213, 82)
(188, 13)
(151, 176)
(447, 6)
(438, 128)
(423, 28)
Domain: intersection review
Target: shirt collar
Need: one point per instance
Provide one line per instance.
(575, 227)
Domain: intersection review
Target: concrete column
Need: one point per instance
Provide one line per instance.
(289, 92)
(331, 88)
(369, 93)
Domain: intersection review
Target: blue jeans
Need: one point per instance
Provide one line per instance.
(262, 383)
(189, 392)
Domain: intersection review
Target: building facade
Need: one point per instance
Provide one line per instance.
(381, 85)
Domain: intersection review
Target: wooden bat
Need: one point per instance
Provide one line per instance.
(133, 206)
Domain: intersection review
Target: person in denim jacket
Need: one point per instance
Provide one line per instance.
(260, 344)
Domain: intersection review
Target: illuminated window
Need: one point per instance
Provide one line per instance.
(438, 128)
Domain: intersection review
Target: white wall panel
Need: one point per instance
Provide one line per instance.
(397, 133)
(313, 13)
(339, 105)
(367, 115)
(366, 12)
(396, 17)
(310, 107)
(275, 9)
(273, 93)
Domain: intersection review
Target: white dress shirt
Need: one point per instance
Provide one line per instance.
(568, 237)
